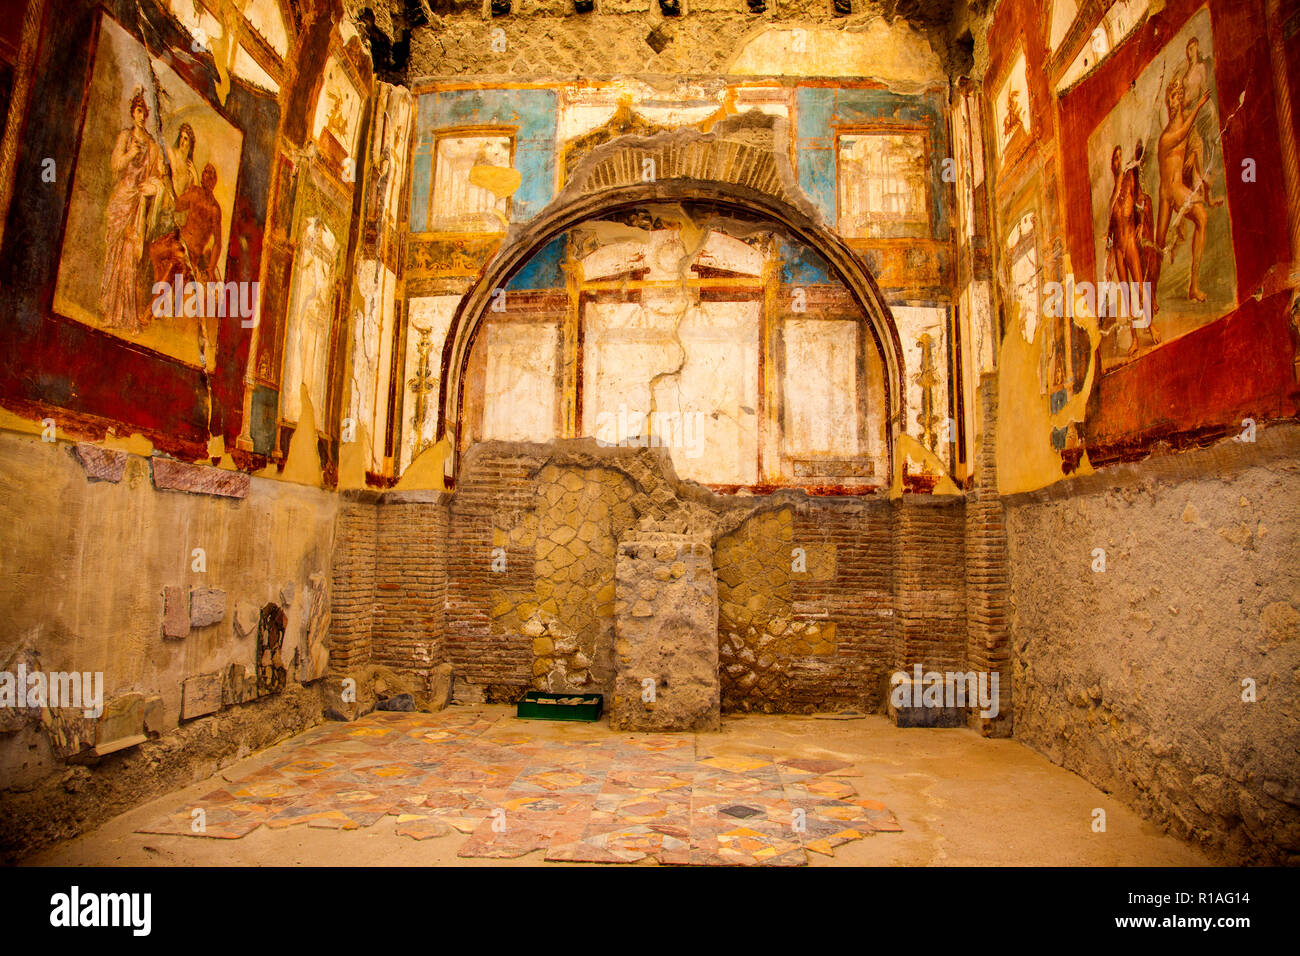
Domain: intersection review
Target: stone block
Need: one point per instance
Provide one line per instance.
(666, 634)
(71, 733)
(172, 475)
(101, 464)
(441, 687)
(200, 695)
(238, 685)
(207, 606)
(313, 653)
(122, 719)
(176, 613)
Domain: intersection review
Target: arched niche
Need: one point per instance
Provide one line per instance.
(734, 169)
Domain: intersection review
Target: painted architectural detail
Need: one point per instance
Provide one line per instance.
(462, 201)
(883, 186)
(1012, 112)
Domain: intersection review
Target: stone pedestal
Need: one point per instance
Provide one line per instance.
(665, 635)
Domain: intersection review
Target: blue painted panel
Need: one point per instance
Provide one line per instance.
(814, 107)
(543, 270)
(821, 111)
(817, 179)
(802, 266)
(424, 119)
(531, 111)
(421, 172)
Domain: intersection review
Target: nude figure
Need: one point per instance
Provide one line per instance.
(1176, 198)
(1124, 261)
(1124, 264)
(1196, 81)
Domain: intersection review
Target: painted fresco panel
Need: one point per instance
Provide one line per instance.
(924, 334)
(520, 396)
(711, 407)
(883, 186)
(152, 199)
(321, 235)
(428, 319)
(1011, 116)
(337, 120)
(702, 359)
(461, 201)
(820, 390)
(530, 113)
(1159, 209)
(387, 159)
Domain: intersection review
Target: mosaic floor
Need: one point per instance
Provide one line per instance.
(590, 796)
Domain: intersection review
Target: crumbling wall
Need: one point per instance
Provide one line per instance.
(1170, 678)
(808, 587)
(666, 625)
(629, 37)
(157, 576)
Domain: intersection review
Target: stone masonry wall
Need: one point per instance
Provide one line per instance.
(630, 37)
(806, 608)
(666, 625)
(160, 579)
(532, 537)
(1133, 676)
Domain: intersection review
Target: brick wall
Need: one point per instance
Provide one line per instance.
(495, 491)
(353, 580)
(929, 584)
(389, 583)
(987, 590)
(511, 578)
(410, 582)
(884, 586)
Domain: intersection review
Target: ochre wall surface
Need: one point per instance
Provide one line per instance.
(1135, 677)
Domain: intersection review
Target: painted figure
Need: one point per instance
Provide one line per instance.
(200, 214)
(1129, 239)
(138, 185)
(1177, 199)
(307, 344)
(1013, 118)
(1196, 81)
(181, 159)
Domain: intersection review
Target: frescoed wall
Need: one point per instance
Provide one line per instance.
(1166, 219)
(1143, 233)
(152, 201)
(1143, 568)
(152, 177)
(868, 160)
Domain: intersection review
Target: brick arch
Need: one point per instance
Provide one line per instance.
(736, 173)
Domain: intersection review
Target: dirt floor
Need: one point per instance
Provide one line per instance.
(961, 800)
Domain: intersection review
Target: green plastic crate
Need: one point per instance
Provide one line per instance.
(531, 708)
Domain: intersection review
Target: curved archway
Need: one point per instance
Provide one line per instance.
(568, 211)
